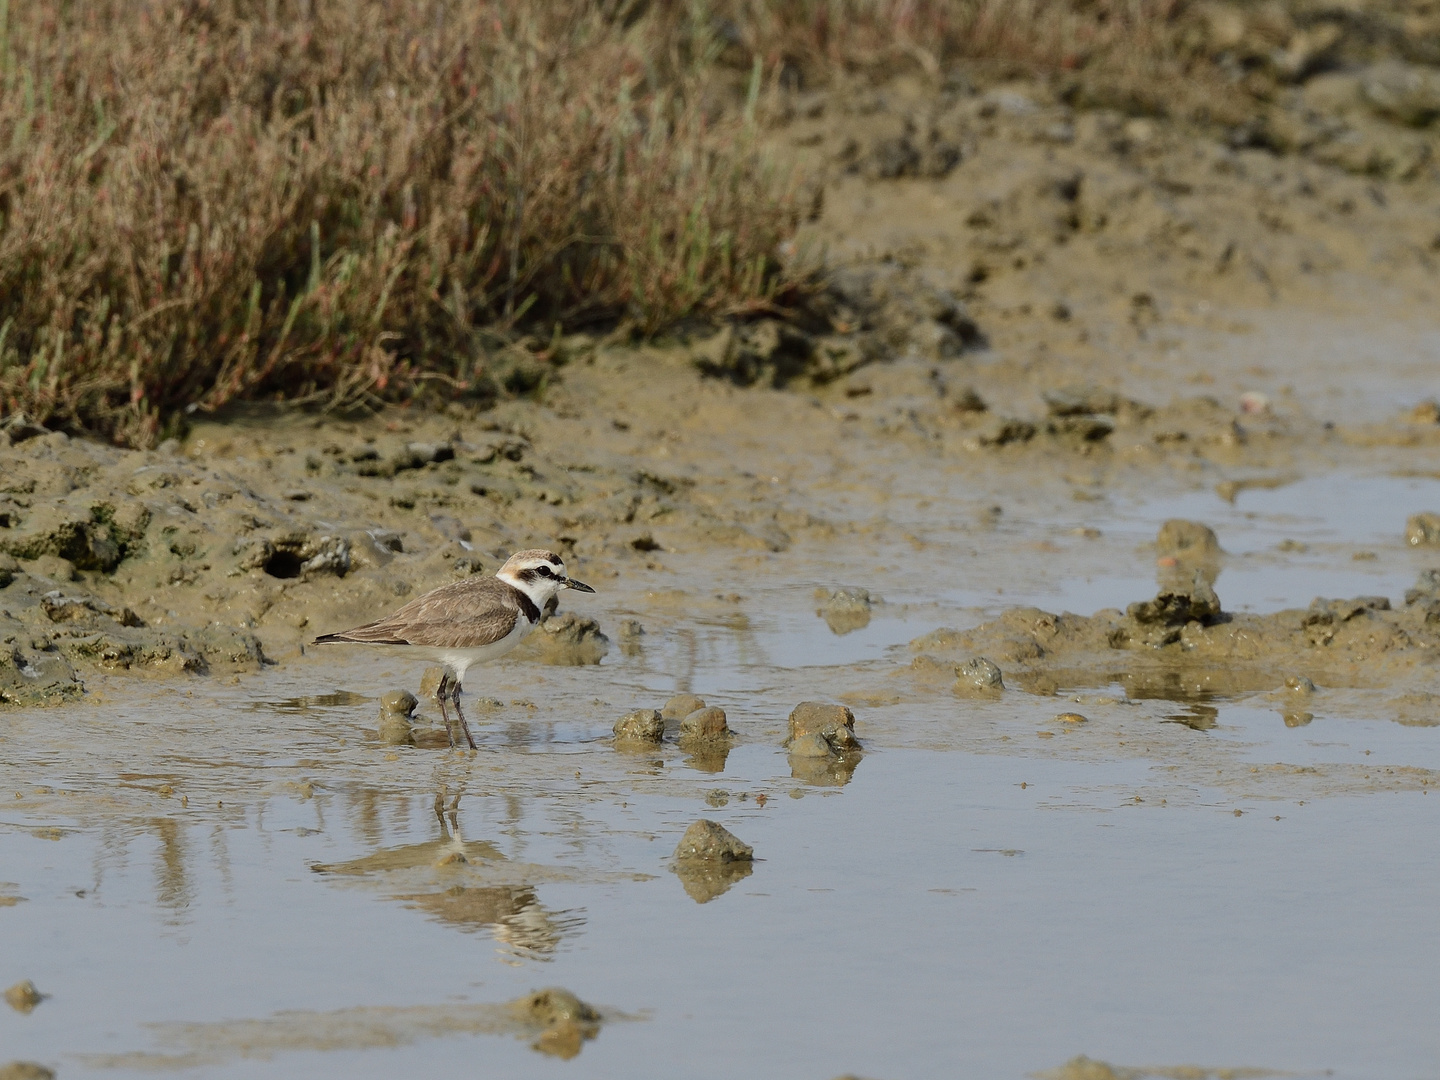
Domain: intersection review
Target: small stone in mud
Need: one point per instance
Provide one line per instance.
(706, 723)
(812, 746)
(709, 841)
(1299, 684)
(978, 676)
(1189, 541)
(640, 725)
(1422, 530)
(1072, 718)
(718, 797)
(835, 724)
(681, 706)
(23, 996)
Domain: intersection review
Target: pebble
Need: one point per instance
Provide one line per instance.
(681, 706)
(706, 723)
(834, 724)
(640, 725)
(1299, 684)
(709, 841)
(978, 676)
(1072, 718)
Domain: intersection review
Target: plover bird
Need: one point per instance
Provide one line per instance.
(469, 621)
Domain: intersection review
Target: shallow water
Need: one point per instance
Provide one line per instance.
(991, 893)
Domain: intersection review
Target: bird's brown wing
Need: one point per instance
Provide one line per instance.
(462, 615)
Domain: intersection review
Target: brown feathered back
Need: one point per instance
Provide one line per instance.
(462, 615)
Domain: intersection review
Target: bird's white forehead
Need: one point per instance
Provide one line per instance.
(526, 560)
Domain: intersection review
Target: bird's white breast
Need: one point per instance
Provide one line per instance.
(460, 659)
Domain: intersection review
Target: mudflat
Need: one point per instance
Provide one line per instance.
(1065, 578)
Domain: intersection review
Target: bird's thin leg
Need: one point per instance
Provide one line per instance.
(441, 693)
(455, 700)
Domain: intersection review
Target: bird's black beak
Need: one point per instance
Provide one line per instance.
(571, 583)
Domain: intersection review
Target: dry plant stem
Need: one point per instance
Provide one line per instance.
(204, 203)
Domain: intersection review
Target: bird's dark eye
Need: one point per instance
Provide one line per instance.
(545, 571)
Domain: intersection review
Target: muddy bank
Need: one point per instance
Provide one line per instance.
(1183, 645)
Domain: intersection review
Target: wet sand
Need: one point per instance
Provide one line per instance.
(1143, 846)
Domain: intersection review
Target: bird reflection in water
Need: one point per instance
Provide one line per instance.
(511, 912)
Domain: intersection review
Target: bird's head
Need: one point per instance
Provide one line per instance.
(539, 574)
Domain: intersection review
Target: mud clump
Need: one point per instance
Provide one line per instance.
(23, 996)
(567, 640)
(1176, 607)
(822, 745)
(708, 841)
(1423, 530)
(93, 537)
(630, 633)
(846, 610)
(640, 726)
(710, 859)
(1187, 541)
(681, 706)
(706, 723)
(25, 1070)
(834, 725)
(567, 1021)
(978, 677)
(397, 711)
(1356, 642)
